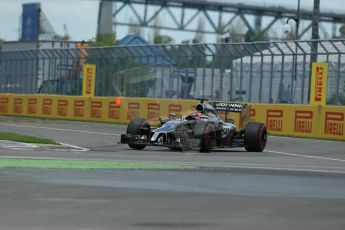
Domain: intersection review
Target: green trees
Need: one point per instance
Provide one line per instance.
(103, 40)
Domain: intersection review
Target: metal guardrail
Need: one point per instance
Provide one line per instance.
(267, 72)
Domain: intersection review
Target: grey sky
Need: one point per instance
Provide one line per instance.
(80, 16)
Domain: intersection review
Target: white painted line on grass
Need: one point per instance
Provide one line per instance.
(68, 130)
(77, 148)
(306, 156)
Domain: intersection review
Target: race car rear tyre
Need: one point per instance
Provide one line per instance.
(207, 134)
(255, 137)
(139, 126)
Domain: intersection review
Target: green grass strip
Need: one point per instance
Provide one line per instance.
(86, 164)
(25, 138)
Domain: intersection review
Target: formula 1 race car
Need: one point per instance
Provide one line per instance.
(202, 129)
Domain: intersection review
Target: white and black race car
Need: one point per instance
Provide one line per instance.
(202, 129)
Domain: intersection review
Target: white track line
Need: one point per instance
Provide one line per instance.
(59, 129)
(306, 156)
(308, 139)
(78, 148)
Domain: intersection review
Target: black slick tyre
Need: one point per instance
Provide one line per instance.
(207, 134)
(255, 137)
(139, 126)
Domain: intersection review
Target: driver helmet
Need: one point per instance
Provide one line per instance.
(194, 114)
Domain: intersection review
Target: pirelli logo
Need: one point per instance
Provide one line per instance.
(47, 101)
(32, 105)
(89, 76)
(4, 105)
(334, 123)
(133, 110)
(319, 83)
(176, 109)
(114, 110)
(274, 120)
(62, 108)
(318, 88)
(79, 108)
(303, 121)
(32, 101)
(153, 111)
(47, 106)
(96, 109)
(18, 105)
(4, 100)
(89, 80)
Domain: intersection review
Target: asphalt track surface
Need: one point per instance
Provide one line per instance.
(295, 184)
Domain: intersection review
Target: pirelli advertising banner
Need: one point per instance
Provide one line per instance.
(318, 88)
(327, 122)
(333, 122)
(89, 79)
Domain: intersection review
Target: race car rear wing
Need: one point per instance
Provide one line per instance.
(234, 107)
(229, 106)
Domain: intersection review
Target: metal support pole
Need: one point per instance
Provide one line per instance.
(297, 21)
(315, 37)
(315, 30)
(295, 56)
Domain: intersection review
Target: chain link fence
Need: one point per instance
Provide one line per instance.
(265, 72)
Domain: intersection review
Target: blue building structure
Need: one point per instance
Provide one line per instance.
(144, 52)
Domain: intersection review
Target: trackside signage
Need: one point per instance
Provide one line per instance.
(274, 120)
(47, 106)
(114, 110)
(334, 124)
(32, 106)
(133, 110)
(292, 120)
(4, 105)
(176, 109)
(96, 109)
(18, 105)
(79, 108)
(303, 121)
(153, 111)
(318, 89)
(89, 80)
(62, 106)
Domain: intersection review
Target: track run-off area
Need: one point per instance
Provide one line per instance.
(294, 184)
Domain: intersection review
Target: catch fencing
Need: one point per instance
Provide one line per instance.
(265, 72)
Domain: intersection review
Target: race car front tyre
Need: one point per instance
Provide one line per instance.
(255, 137)
(139, 126)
